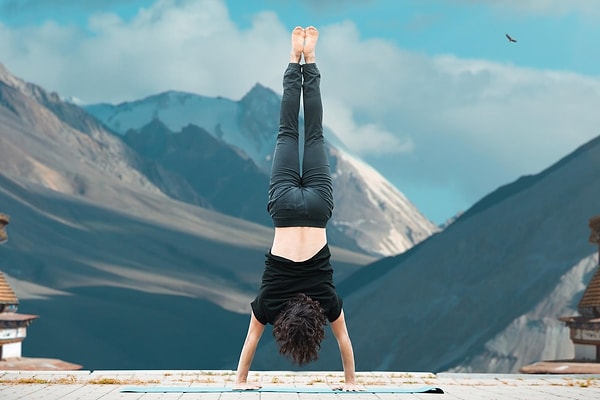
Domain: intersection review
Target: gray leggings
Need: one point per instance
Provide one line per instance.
(300, 198)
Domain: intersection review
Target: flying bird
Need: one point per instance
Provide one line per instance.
(510, 39)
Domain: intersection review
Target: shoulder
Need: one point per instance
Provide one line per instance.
(258, 311)
(333, 307)
(339, 326)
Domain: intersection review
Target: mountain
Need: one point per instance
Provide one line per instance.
(228, 120)
(111, 263)
(496, 263)
(484, 295)
(216, 175)
(371, 211)
(370, 214)
(538, 334)
(78, 158)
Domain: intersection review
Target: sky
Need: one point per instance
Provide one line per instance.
(429, 92)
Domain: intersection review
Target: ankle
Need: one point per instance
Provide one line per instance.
(310, 58)
(295, 57)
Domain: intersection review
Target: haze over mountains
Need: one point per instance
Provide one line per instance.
(120, 240)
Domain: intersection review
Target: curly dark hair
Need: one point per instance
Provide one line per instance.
(299, 329)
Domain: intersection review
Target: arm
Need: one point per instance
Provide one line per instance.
(255, 331)
(340, 331)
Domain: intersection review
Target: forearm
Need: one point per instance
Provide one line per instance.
(341, 334)
(348, 361)
(244, 363)
(255, 331)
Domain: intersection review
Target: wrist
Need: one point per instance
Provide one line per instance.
(350, 378)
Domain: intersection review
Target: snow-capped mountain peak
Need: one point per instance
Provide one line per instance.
(389, 222)
(370, 213)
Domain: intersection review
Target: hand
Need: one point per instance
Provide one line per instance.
(350, 387)
(246, 386)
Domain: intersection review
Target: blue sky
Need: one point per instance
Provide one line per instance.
(549, 38)
(430, 93)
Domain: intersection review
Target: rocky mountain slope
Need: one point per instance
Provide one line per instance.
(200, 169)
(497, 262)
(370, 214)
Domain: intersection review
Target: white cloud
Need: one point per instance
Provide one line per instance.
(189, 45)
(366, 138)
(475, 101)
(474, 124)
(523, 118)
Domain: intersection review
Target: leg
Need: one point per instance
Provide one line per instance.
(285, 170)
(316, 172)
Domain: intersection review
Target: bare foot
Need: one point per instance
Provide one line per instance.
(310, 42)
(297, 44)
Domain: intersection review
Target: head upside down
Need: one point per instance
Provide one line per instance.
(299, 329)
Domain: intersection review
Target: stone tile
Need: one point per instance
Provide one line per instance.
(106, 385)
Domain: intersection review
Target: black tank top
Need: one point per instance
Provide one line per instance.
(283, 279)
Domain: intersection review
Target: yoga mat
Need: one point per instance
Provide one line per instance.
(275, 389)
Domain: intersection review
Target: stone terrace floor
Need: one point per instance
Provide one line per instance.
(106, 385)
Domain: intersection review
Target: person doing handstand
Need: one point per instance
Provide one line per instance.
(297, 294)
